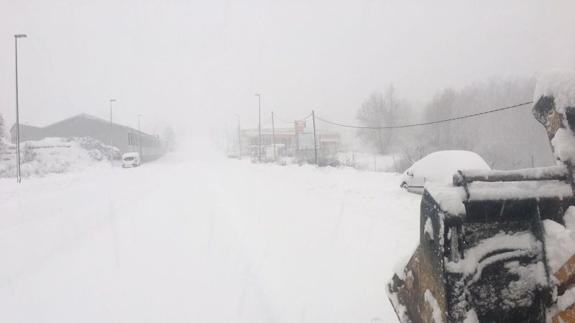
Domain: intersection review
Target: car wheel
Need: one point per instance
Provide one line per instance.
(403, 185)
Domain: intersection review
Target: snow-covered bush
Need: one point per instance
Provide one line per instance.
(97, 149)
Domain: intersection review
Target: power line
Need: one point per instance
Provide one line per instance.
(425, 123)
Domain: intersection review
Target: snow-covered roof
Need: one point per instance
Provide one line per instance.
(78, 116)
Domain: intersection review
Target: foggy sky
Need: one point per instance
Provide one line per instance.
(198, 63)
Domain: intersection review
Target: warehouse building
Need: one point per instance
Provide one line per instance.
(126, 139)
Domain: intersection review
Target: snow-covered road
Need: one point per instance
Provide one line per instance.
(197, 241)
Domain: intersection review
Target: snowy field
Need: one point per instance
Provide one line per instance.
(203, 241)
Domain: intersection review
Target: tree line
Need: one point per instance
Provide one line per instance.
(507, 139)
(2, 130)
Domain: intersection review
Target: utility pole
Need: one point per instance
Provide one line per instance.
(140, 136)
(239, 138)
(314, 137)
(18, 175)
(259, 127)
(274, 137)
(111, 123)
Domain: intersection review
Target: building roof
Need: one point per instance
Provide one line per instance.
(80, 116)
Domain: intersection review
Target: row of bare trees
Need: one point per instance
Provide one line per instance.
(507, 139)
(2, 130)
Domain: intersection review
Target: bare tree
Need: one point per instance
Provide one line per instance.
(377, 111)
(508, 139)
(2, 130)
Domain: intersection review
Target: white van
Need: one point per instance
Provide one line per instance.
(131, 160)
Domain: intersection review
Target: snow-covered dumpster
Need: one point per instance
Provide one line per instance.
(488, 251)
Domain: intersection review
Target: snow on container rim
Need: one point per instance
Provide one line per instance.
(558, 84)
(440, 166)
(495, 191)
(450, 198)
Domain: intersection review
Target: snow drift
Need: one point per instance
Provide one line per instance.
(55, 155)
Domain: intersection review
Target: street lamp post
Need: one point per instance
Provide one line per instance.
(259, 127)
(18, 176)
(111, 123)
(239, 137)
(139, 136)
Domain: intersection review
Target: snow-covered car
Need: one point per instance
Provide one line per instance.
(440, 167)
(131, 160)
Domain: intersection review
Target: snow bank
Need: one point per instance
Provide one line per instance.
(55, 155)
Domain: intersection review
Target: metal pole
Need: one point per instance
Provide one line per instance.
(274, 137)
(314, 136)
(259, 127)
(239, 137)
(139, 136)
(18, 174)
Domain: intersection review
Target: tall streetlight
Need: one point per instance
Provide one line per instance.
(259, 127)
(18, 177)
(239, 137)
(111, 123)
(139, 136)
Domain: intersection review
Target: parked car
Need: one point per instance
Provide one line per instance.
(131, 160)
(439, 167)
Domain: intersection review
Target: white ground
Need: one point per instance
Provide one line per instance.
(192, 241)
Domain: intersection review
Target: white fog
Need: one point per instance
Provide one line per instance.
(287, 161)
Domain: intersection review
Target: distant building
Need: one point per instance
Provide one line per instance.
(292, 142)
(126, 139)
